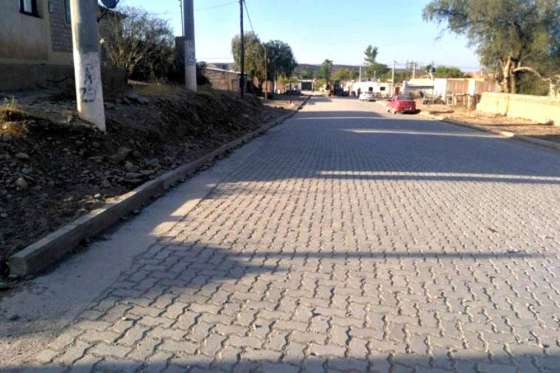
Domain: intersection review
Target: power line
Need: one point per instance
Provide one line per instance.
(216, 6)
(249, 16)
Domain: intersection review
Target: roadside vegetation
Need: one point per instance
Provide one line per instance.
(140, 43)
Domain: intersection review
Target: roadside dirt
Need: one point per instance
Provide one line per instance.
(495, 122)
(54, 169)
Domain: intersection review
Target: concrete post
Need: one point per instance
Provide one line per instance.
(87, 66)
(190, 54)
(242, 52)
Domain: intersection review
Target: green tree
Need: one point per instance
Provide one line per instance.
(306, 74)
(448, 72)
(325, 71)
(370, 68)
(513, 37)
(254, 55)
(281, 59)
(344, 74)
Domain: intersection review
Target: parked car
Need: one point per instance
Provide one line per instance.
(366, 96)
(401, 104)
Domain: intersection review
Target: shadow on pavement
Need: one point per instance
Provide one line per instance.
(280, 362)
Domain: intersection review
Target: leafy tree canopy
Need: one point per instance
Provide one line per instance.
(325, 71)
(511, 36)
(344, 74)
(254, 55)
(281, 59)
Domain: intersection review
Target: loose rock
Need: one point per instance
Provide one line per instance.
(21, 183)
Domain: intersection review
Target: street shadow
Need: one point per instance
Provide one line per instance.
(191, 267)
(247, 361)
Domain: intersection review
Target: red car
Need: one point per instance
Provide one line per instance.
(401, 104)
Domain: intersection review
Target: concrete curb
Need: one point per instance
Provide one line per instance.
(505, 134)
(55, 246)
(468, 125)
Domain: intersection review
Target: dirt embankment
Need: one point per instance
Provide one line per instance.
(52, 172)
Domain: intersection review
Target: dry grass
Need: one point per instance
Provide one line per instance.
(11, 115)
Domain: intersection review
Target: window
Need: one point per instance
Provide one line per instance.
(67, 14)
(28, 7)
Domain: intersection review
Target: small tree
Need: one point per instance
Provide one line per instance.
(370, 61)
(448, 72)
(139, 43)
(325, 71)
(306, 74)
(344, 74)
(254, 55)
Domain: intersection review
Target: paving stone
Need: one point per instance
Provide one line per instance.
(346, 241)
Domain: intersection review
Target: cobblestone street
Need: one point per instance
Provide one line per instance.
(345, 240)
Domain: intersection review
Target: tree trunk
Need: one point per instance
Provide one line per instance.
(506, 76)
(513, 82)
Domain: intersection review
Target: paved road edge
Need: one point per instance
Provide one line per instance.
(55, 246)
(506, 134)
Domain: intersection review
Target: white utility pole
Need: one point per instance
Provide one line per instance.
(190, 54)
(414, 70)
(87, 65)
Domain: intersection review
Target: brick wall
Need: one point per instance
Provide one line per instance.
(61, 32)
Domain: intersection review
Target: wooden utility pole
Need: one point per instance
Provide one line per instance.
(242, 52)
(87, 65)
(190, 53)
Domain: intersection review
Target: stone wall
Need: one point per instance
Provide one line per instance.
(537, 108)
(222, 79)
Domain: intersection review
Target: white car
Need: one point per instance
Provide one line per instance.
(366, 96)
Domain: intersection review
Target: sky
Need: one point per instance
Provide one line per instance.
(320, 29)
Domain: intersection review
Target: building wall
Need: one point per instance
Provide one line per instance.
(24, 38)
(537, 108)
(27, 39)
(222, 80)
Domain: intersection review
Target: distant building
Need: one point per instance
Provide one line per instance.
(380, 89)
(225, 80)
(447, 88)
(33, 31)
(418, 87)
(307, 85)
